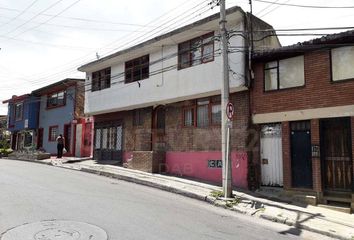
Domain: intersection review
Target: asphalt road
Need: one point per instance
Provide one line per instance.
(31, 192)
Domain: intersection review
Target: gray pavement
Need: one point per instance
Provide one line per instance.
(32, 192)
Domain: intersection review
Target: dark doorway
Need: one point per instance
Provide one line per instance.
(14, 141)
(67, 137)
(158, 136)
(301, 164)
(40, 138)
(336, 154)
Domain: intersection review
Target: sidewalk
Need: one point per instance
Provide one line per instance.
(316, 219)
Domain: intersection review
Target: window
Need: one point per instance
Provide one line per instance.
(53, 133)
(101, 79)
(188, 117)
(138, 117)
(342, 63)
(206, 112)
(160, 121)
(286, 73)
(18, 111)
(216, 113)
(137, 69)
(203, 112)
(56, 99)
(196, 51)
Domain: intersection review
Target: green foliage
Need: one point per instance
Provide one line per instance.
(233, 202)
(216, 194)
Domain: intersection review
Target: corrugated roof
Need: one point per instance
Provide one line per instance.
(326, 42)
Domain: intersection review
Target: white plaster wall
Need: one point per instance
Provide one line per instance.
(171, 86)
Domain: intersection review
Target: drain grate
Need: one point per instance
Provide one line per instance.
(55, 230)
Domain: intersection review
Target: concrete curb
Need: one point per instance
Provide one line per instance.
(201, 197)
(210, 200)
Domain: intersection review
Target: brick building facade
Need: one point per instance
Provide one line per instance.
(183, 150)
(308, 90)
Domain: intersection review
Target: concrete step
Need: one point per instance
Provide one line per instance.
(338, 208)
(337, 199)
(309, 199)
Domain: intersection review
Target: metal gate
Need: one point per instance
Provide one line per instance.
(337, 154)
(108, 141)
(271, 155)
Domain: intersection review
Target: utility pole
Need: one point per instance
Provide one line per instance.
(225, 122)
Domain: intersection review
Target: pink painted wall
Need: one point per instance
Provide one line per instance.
(195, 165)
(127, 156)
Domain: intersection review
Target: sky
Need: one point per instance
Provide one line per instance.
(45, 41)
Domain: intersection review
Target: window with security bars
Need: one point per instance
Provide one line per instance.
(119, 138)
(108, 138)
(98, 138)
(53, 133)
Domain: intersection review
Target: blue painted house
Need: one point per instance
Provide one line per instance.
(22, 115)
(61, 112)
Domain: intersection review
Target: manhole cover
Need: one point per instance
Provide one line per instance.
(55, 230)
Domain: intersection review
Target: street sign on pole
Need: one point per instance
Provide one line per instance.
(230, 110)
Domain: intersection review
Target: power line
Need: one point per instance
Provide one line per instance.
(20, 14)
(124, 44)
(29, 20)
(278, 6)
(82, 19)
(51, 18)
(271, 4)
(305, 6)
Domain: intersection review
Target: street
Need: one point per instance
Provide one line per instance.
(31, 192)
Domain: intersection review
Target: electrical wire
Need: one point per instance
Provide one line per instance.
(305, 6)
(35, 16)
(73, 69)
(50, 19)
(20, 14)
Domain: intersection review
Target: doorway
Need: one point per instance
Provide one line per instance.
(336, 154)
(301, 164)
(271, 155)
(40, 138)
(67, 137)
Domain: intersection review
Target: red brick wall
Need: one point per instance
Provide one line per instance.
(318, 91)
(286, 155)
(135, 138)
(316, 161)
(179, 138)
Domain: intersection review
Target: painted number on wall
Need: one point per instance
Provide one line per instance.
(214, 163)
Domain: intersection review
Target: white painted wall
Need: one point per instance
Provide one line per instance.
(171, 86)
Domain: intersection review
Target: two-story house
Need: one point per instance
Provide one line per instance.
(22, 120)
(61, 111)
(302, 99)
(156, 105)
